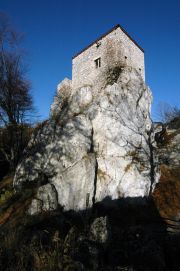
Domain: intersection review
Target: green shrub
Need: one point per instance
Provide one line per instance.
(6, 195)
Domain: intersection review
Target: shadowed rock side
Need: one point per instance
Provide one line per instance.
(98, 142)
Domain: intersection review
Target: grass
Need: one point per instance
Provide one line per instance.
(13, 206)
(127, 168)
(113, 75)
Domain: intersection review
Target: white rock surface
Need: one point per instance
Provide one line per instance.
(46, 200)
(97, 143)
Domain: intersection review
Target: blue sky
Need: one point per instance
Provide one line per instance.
(55, 30)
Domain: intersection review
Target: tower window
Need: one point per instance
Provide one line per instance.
(97, 63)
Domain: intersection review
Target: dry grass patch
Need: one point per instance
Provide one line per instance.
(167, 192)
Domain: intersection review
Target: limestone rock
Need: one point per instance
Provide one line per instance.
(97, 143)
(45, 200)
(64, 90)
(99, 230)
(75, 185)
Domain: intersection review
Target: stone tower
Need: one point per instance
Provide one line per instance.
(114, 48)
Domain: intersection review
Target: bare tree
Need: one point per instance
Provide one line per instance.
(15, 97)
(167, 112)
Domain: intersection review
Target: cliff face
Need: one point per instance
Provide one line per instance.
(97, 143)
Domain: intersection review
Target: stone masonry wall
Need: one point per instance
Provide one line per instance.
(114, 49)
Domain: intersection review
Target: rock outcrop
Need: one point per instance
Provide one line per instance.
(98, 142)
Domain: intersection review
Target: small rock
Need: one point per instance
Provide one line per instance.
(99, 230)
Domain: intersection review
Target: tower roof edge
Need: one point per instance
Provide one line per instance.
(104, 35)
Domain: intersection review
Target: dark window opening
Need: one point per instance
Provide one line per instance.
(98, 63)
(139, 69)
(125, 57)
